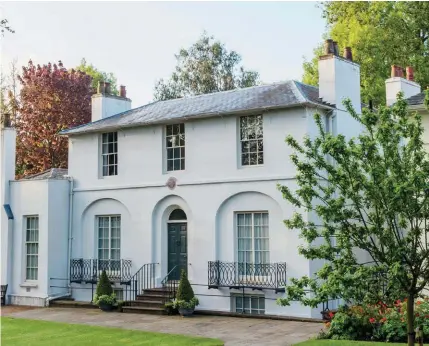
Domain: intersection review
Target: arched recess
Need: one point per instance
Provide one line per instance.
(160, 218)
(89, 226)
(249, 201)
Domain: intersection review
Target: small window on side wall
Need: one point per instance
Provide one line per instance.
(175, 146)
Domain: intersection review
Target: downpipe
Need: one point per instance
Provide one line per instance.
(70, 232)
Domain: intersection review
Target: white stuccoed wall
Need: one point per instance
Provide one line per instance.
(7, 173)
(49, 200)
(210, 190)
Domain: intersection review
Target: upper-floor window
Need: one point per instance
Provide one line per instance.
(32, 247)
(109, 153)
(175, 144)
(251, 140)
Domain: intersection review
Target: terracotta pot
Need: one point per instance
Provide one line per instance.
(186, 312)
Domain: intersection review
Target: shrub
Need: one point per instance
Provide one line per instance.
(105, 299)
(104, 292)
(185, 297)
(377, 322)
(184, 291)
(104, 287)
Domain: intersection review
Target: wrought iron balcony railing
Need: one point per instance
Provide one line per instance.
(247, 275)
(89, 270)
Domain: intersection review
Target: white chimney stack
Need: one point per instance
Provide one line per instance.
(397, 83)
(104, 104)
(339, 79)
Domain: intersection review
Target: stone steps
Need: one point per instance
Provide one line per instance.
(151, 301)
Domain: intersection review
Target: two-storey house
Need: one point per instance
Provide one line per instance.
(181, 184)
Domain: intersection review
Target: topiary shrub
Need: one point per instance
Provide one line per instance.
(184, 291)
(104, 287)
(185, 298)
(104, 296)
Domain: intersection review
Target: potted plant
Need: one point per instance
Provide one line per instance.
(185, 300)
(104, 296)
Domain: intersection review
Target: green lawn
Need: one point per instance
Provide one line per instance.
(343, 343)
(17, 331)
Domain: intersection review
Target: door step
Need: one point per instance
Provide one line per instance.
(144, 310)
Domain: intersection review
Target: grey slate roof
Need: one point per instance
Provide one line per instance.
(259, 98)
(416, 99)
(53, 173)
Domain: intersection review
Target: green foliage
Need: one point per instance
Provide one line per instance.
(205, 67)
(103, 287)
(108, 299)
(184, 304)
(368, 195)
(377, 322)
(184, 291)
(381, 33)
(98, 76)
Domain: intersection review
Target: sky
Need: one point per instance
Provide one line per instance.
(137, 41)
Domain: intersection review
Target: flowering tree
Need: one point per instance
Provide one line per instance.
(51, 99)
(369, 194)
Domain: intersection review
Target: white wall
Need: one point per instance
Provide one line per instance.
(47, 199)
(58, 265)
(211, 153)
(211, 189)
(7, 173)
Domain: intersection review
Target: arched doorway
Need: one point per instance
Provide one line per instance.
(177, 228)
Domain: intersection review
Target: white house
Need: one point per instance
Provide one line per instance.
(181, 184)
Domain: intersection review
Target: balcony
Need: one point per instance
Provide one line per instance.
(89, 270)
(237, 275)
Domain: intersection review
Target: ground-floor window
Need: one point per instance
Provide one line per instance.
(109, 242)
(253, 242)
(119, 293)
(32, 247)
(248, 304)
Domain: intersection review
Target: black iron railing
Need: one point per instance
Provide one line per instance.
(247, 275)
(143, 279)
(89, 270)
(171, 285)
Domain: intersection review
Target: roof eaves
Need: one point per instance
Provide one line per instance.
(201, 116)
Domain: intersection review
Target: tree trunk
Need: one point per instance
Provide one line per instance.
(410, 320)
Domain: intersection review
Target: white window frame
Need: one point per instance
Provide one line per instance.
(251, 311)
(242, 275)
(251, 142)
(31, 241)
(109, 241)
(175, 148)
(108, 154)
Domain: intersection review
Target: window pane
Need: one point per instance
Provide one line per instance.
(169, 130)
(170, 165)
(176, 165)
(182, 164)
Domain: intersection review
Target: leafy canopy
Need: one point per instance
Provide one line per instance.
(98, 76)
(51, 99)
(363, 210)
(381, 33)
(205, 67)
(103, 287)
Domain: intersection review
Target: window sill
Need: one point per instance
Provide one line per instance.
(250, 166)
(29, 284)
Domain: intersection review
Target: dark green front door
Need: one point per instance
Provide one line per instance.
(177, 249)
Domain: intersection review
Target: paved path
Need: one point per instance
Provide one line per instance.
(234, 331)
